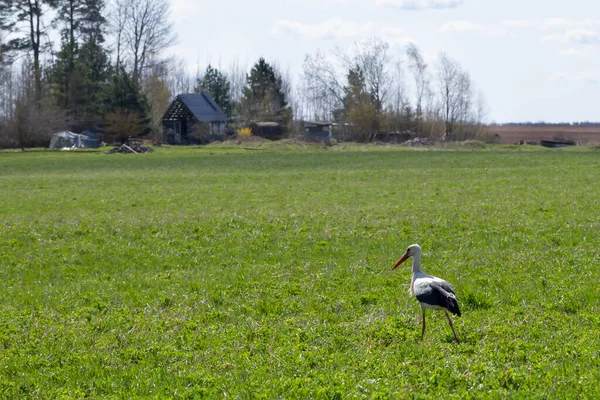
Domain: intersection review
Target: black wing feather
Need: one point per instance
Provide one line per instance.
(440, 295)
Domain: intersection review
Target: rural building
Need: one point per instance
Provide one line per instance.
(318, 130)
(193, 118)
(267, 130)
(394, 137)
(71, 140)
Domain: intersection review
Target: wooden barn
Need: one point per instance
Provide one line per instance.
(193, 118)
(267, 130)
(318, 130)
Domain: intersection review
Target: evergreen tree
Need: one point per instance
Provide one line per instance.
(355, 92)
(263, 97)
(93, 66)
(93, 60)
(25, 16)
(128, 114)
(80, 69)
(217, 86)
(69, 14)
(359, 108)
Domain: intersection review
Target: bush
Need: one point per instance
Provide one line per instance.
(244, 132)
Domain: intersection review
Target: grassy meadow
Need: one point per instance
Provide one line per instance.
(258, 274)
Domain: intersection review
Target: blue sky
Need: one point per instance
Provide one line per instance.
(532, 59)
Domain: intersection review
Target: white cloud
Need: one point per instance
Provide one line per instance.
(548, 23)
(583, 36)
(552, 23)
(581, 77)
(573, 52)
(421, 4)
(336, 28)
(575, 36)
(461, 26)
(184, 10)
(395, 35)
(554, 38)
(519, 23)
(499, 33)
(329, 29)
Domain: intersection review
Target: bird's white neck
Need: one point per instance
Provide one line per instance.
(416, 264)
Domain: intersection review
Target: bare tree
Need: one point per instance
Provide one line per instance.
(236, 75)
(398, 102)
(465, 98)
(323, 87)
(481, 109)
(7, 91)
(448, 76)
(455, 94)
(6, 102)
(418, 67)
(298, 103)
(147, 32)
(155, 88)
(178, 80)
(118, 19)
(31, 124)
(372, 57)
(287, 89)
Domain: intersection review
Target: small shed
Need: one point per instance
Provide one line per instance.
(318, 130)
(267, 130)
(393, 137)
(71, 140)
(194, 118)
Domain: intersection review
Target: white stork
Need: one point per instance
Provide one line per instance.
(431, 292)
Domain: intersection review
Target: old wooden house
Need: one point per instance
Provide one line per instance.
(194, 118)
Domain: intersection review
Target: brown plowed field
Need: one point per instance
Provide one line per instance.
(513, 134)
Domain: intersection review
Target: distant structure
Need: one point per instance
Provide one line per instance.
(193, 118)
(318, 130)
(267, 129)
(70, 140)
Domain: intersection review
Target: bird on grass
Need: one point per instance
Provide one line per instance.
(430, 291)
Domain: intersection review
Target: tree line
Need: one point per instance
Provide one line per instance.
(371, 90)
(100, 65)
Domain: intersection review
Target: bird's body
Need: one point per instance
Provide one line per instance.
(431, 292)
(434, 293)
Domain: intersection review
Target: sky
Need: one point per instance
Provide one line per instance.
(533, 60)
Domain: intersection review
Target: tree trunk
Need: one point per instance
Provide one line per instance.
(34, 25)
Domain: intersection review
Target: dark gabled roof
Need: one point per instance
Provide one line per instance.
(317, 123)
(199, 105)
(263, 124)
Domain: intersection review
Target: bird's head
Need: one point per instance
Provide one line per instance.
(412, 251)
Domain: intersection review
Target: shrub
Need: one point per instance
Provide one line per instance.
(244, 132)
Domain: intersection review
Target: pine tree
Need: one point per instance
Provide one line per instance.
(355, 91)
(359, 109)
(128, 114)
(93, 60)
(263, 98)
(216, 85)
(80, 70)
(26, 16)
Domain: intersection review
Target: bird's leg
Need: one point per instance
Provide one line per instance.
(423, 330)
(452, 326)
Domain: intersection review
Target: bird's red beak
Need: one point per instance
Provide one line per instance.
(400, 261)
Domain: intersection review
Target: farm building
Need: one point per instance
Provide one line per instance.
(393, 137)
(318, 130)
(193, 118)
(267, 130)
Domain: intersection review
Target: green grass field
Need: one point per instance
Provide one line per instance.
(232, 273)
